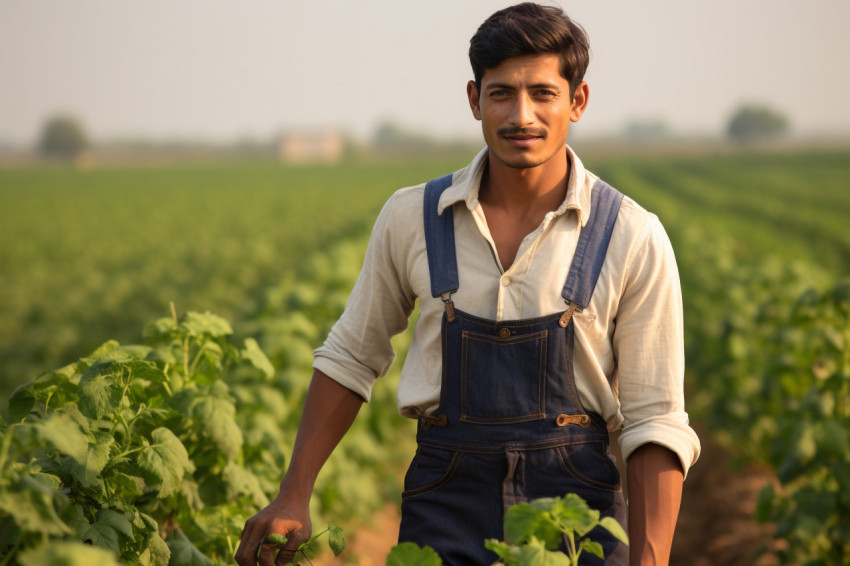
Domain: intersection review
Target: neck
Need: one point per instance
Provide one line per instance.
(542, 186)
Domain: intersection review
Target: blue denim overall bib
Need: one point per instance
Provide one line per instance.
(510, 427)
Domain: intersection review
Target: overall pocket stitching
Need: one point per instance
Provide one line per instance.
(573, 471)
(441, 481)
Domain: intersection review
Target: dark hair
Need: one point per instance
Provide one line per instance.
(528, 29)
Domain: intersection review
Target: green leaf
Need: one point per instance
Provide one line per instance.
(73, 516)
(61, 553)
(534, 553)
(165, 461)
(30, 503)
(104, 349)
(159, 328)
(411, 554)
(335, 539)
(184, 553)
(157, 552)
(100, 389)
(832, 439)
(253, 354)
(207, 323)
(62, 433)
(117, 521)
(102, 535)
(21, 403)
(240, 481)
(214, 413)
(525, 520)
(764, 504)
(88, 472)
(140, 369)
(592, 547)
(612, 526)
(572, 512)
(160, 553)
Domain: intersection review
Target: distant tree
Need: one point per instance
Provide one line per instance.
(62, 136)
(752, 122)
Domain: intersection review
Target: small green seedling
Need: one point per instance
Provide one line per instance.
(536, 530)
(336, 542)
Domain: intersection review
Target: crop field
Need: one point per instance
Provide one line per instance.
(156, 433)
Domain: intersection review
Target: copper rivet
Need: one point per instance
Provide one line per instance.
(561, 420)
(504, 333)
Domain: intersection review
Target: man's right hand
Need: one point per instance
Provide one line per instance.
(328, 413)
(280, 518)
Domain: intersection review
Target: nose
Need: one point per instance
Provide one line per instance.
(522, 113)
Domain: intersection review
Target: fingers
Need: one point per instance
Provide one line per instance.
(252, 551)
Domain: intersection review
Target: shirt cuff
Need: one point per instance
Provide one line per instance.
(671, 431)
(348, 374)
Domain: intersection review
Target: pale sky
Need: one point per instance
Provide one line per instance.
(224, 69)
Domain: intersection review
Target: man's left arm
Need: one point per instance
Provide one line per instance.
(655, 491)
(656, 440)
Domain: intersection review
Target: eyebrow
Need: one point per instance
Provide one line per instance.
(492, 86)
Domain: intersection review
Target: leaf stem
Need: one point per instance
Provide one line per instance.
(12, 553)
(4, 448)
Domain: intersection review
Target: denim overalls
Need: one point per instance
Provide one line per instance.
(510, 427)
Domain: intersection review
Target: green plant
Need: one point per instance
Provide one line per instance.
(336, 542)
(536, 530)
(131, 449)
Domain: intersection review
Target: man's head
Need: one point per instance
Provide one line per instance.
(530, 29)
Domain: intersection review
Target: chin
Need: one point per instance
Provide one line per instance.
(520, 161)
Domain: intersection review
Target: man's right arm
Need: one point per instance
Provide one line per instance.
(329, 411)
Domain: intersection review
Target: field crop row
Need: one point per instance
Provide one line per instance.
(86, 256)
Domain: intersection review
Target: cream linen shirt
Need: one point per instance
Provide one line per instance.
(629, 354)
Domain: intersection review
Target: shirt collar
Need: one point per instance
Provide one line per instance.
(467, 182)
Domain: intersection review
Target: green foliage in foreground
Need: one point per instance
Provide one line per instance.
(536, 530)
(132, 448)
(183, 438)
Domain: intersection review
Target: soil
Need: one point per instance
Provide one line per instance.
(715, 527)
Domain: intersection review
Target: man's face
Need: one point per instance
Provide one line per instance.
(525, 109)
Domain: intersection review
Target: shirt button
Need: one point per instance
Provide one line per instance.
(506, 280)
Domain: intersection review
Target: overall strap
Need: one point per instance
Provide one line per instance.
(440, 240)
(592, 245)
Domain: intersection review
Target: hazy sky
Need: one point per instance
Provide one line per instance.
(224, 69)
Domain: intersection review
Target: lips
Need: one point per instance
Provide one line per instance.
(521, 137)
(522, 140)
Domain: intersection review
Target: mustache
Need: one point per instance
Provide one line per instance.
(515, 131)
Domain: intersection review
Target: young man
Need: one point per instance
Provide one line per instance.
(550, 313)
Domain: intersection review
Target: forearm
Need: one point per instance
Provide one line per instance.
(655, 492)
(329, 411)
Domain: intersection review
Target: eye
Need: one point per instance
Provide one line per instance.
(499, 93)
(544, 92)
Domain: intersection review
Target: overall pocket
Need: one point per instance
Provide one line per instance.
(590, 464)
(430, 469)
(503, 377)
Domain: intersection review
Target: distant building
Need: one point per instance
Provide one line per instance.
(311, 147)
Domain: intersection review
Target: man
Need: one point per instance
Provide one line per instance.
(550, 313)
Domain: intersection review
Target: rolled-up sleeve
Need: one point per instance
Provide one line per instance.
(358, 350)
(649, 348)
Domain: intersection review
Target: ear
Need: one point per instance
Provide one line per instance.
(474, 99)
(580, 99)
